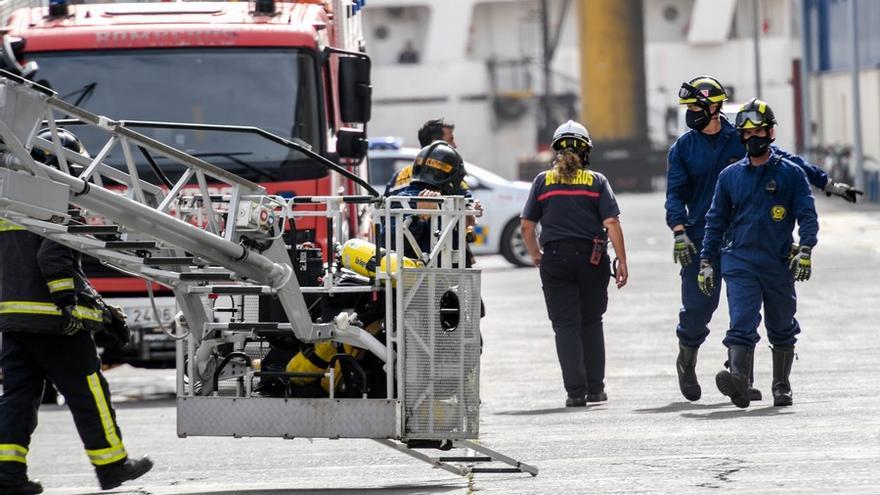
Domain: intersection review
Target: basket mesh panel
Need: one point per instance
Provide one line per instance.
(442, 355)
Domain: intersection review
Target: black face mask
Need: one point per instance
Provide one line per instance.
(757, 145)
(697, 120)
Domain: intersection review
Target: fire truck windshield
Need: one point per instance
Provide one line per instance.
(274, 89)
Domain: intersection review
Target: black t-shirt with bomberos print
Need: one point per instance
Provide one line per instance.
(570, 210)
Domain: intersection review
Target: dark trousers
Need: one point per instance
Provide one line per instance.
(576, 293)
(751, 285)
(696, 309)
(72, 364)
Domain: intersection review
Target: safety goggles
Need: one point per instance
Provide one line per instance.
(570, 142)
(749, 119)
(690, 94)
(687, 92)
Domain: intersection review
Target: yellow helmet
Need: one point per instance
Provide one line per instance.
(755, 113)
(702, 90)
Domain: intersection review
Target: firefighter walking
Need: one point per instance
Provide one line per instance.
(695, 160)
(578, 215)
(47, 313)
(757, 201)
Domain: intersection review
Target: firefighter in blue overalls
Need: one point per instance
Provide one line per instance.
(756, 203)
(48, 310)
(578, 215)
(694, 162)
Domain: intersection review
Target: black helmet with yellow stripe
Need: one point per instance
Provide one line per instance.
(702, 90)
(754, 114)
(438, 165)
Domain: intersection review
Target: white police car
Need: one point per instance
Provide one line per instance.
(498, 230)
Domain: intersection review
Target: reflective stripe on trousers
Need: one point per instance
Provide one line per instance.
(11, 452)
(116, 451)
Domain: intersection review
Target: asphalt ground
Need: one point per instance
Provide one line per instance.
(645, 439)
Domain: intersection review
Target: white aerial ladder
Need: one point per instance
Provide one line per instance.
(430, 349)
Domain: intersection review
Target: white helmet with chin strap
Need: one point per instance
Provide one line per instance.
(574, 136)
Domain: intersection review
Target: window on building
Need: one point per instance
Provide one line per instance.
(397, 35)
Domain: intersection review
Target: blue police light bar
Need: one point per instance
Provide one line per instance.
(58, 8)
(386, 143)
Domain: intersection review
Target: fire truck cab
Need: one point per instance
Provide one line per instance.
(295, 69)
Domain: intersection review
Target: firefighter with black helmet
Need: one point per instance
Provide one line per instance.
(438, 170)
(694, 162)
(756, 203)
(578, 215)
(48, 310)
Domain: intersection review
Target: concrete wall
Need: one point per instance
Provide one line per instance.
(452, 81)
(670, 60)
(831, 103)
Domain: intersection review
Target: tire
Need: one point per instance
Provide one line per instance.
(512, 246)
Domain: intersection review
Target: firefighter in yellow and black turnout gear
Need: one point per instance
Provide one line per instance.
(47, 312)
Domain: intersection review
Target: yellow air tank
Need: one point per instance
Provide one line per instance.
(317, 359)
(360, 256)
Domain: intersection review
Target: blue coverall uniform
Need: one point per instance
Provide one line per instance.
(752, 216)
(694, 162)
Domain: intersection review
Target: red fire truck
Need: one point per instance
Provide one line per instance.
(295, 69)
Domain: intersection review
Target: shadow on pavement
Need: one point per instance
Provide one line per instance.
(680, 406)
(540, 412)
(408, 489)
(738, 413)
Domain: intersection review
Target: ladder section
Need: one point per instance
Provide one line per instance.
(142, 209)
(155, 232)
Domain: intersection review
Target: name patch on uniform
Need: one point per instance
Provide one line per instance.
(777, 213)
(582, 177)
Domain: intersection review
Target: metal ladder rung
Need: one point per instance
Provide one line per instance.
(206, 276)
(131, 244)
(257, 325)
(232, 289)
(171, 260)
(496, 470)
(242, 289)
(465, 459)
(93, 229)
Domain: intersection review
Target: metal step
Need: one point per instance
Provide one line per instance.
(171, 260)
(496, 470)
(232, 289)
(93, 229)
(131, 244)
(259, 328)
(466, 458)
(206, 276)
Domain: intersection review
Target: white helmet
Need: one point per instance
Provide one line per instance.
(571, 135)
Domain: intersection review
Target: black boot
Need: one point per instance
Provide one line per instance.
(113, 475)
(21, 486)
(735, 382)
(783, 357)
(686, 366)
(754, 394)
